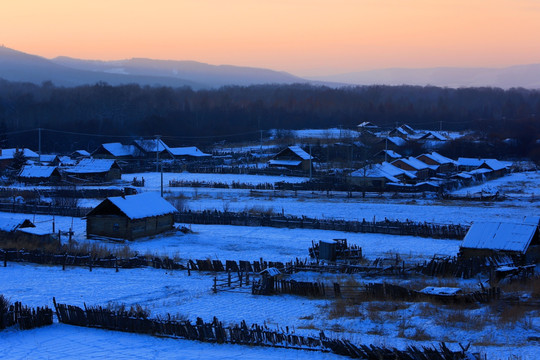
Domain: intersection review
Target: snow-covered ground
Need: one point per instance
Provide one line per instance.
(382, 323)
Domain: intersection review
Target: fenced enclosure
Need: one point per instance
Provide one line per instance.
(391, 227)
(23, 316)
(242, 334)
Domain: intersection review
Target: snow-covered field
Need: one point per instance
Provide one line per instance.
(389, 324)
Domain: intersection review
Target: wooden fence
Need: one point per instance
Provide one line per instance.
(26, 318)
(242, 334)
(392, 227)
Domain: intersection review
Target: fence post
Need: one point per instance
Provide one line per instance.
(215, 285)
(188, 269)
(116, 263)
(229, 278)
(5, 258)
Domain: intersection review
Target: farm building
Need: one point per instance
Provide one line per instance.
(293, 158)
(24, 230)
(116, 151)
(150, 147)
(379, 175)
(520, 240)
(95, 170)
(417, 167)
(36, 174)
(188, 152)
(130, 217)
(7, 156)
(444, 164)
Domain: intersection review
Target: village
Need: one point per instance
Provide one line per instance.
(361, 243)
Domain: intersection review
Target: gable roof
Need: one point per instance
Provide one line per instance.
(385, 170)
(500, 236)
(390, 153)
(92, 166)
(493, 164)
(9, 153)
(118, 150)
(415, 163)
(367, 125)
(150, 145)
(462, 161)
(10, 225)
(396, 140)
(188, 151)
(138, 206)
(298, 151)
(438, 158)
(433, 135)
(37, 171)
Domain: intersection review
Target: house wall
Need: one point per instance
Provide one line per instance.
(124, 228)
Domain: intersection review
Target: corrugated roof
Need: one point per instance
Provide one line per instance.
(91, 166)
(438, 158)
(36, 171)
(9, 153)
(499, 236)
(151, 145)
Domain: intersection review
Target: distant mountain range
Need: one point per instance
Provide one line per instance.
(525, 76)
(65, 71)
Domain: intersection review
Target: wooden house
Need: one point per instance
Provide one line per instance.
(7, 156)
(444, 165)
(149, 147)
(117, 151)
(94, 170)
(188, 153)
(417, 167)
(390, 143)
(23, 230)
(130, 217)
(293, 158)
(377, 176)
(519, 240)
(39, 174)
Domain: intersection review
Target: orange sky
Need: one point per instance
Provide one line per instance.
(304, 37)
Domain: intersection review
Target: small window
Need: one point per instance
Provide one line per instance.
(116, 227)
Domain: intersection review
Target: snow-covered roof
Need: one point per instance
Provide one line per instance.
(151, 145)
(494, 164)
(118, 150)
(81, 153)
(415, 163)
(301, 153)
(66, 160)
(447, 291)
(140, 206)
(9, 225)
(188, 151)
(36, 171)
(438, 158)
(390, 153)
(434, 135)
(396, 140)
(9, 153)
(367, 125)
(384, 170)
(469, 161)
(499, 236)
(91, 166)
(48, 157)
(284, 162)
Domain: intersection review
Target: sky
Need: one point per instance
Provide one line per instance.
(303, 37)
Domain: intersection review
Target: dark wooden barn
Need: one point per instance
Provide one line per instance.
(130, 217)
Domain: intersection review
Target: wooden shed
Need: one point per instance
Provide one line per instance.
(293, 157)
(130, 217)
(94, 170)
(519, 240)
(39, 174)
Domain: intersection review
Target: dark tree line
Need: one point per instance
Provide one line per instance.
(239, 113)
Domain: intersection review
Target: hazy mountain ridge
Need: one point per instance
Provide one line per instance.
(214, 75)
(526, 76)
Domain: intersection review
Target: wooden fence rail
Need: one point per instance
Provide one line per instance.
(26, 318)
(393, 227)
(254, 335)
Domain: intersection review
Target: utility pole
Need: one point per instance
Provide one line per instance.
(39, 145)
(310, 166)
(440, 125)
(157, 153)
(386, 149)
(261, 141)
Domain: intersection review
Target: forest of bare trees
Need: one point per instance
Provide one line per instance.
(240, 113)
